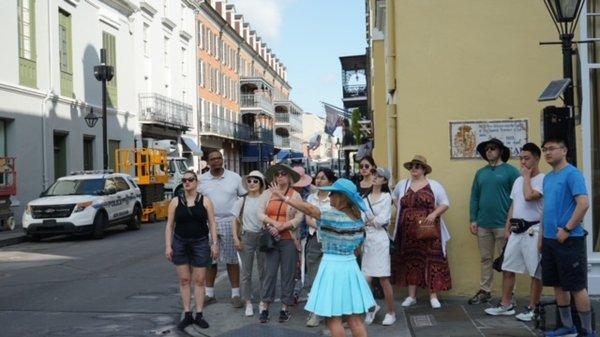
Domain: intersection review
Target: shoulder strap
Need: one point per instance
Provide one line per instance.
(243, 204)
(369, 202)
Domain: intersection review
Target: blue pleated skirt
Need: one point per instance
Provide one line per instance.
(340, 288)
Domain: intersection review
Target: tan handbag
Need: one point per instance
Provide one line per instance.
(427, 231)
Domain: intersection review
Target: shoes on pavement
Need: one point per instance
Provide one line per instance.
(249, 310)
(284, 316)
(482, 296)
(435, 303)
(208, 300)
(199, 321)
(187, 320)
(587, 334)
(409, 301)
(370, 316)
(501, 310)
(237, 302)
(527, 315)
(563, 332)
(264, 316)
(313, 321)
(389, 319)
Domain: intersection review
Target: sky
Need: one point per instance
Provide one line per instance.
(309, 36)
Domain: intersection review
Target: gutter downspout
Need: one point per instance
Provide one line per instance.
(49, 94)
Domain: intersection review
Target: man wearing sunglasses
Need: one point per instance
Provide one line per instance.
(223, 187)
(490, 201)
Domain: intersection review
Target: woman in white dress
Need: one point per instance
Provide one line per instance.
(376, 249)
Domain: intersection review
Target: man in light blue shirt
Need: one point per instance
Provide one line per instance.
(564, 259)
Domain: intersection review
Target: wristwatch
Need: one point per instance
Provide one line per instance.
(566, 229)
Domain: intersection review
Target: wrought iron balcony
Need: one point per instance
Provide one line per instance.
(293, 121)
(228, 129)
(258, 103)
(159, 109)
(291, 142)
(355, 91)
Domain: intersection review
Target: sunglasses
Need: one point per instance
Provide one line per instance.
(281, 173)
(252, 181)
(415, 166)
(187, 180)
(491, 148)
(365, 166)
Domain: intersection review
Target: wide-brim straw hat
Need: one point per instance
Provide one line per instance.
(505, 155)
(257, 175)
(305, 179)
(418, 159)
(270, 174)
(348, 188)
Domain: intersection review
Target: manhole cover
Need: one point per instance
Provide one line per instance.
(421, 321)
(261, 330)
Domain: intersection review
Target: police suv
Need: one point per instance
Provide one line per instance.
(84, 203)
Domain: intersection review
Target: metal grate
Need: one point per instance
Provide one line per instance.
(422, 321)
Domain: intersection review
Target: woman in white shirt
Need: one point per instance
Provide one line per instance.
(376, 249)
(313, 251)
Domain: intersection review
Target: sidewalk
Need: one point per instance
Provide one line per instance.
(13, 237)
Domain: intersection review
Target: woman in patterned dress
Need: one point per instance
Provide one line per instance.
(420, 262)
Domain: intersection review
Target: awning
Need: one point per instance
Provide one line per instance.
(288, 154)
(191, 145)
(250, 152)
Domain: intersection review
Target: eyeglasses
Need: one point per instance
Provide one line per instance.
(552, 148)
(365, 166)
(187, 180)
(415, 166)
(252, 181)
(491, 148)
(281, 173)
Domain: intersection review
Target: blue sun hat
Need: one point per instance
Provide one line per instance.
(348, 188)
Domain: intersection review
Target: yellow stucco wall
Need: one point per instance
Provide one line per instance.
(467, 60)
(378, 105)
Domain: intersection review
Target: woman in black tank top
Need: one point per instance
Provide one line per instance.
(191, 219)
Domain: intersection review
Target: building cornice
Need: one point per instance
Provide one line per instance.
(214, 15)
(170, 25)
(185, 35)
(125, 7)
(147, 8)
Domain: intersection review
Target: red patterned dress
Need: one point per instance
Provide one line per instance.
(418, 262)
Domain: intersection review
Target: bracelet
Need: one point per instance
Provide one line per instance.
(287, 198)
(566, 229)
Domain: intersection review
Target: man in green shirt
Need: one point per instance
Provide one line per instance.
(490, 201)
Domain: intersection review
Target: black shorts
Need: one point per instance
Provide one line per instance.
(565, 265)
(195, 252)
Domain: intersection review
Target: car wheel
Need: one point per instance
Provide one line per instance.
(136, 219)
(99, 225)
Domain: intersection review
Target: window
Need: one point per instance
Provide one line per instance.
(27, 47)
(113, 146)
(121, 184)
(200, 32)
(146, 39)
(88, 153)
(109, 44)
(166, 51)
(201, 73)
(65, 53)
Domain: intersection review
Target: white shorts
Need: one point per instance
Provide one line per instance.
(521, 255)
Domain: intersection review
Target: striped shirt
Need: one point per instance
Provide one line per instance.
(339, 233)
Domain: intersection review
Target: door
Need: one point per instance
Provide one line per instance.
(60, 155)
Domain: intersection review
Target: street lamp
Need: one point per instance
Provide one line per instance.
(338, 146)
(103, 73)
(565, 15)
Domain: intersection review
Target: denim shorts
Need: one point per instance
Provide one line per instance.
(194, 252)
(565, 265)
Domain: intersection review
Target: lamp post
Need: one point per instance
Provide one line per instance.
(565, 15)
(103, 73)
(338, 146)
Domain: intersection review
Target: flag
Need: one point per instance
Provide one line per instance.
(334, 117)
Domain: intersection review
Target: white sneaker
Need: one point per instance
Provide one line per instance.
(435, 303)
(370, 316)
(526, 316)
(249, 310)
(501, 310)
(409, 301)
(313, 321)
(389, 319)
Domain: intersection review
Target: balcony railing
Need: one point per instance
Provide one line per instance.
(163, 110)
(257, 101)
(290, 142)
(294, 120)
(355, 90)
(233, 130)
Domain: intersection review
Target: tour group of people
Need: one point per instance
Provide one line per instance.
(334, 239)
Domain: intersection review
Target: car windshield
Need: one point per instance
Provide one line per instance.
(76, 187)
(178, 166)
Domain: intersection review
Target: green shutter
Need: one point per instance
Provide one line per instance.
(65, 53)
(27, 65)
(109, 44)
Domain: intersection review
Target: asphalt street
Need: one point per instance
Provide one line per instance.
(123, 286)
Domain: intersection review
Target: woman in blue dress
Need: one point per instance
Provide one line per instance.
(339, 289)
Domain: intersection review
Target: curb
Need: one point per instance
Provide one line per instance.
(13, 240)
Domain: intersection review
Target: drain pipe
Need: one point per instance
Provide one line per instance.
(49, 94)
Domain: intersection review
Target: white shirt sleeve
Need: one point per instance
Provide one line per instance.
(513, 189)
(237, 207)
(384, 211)
(538, 184)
